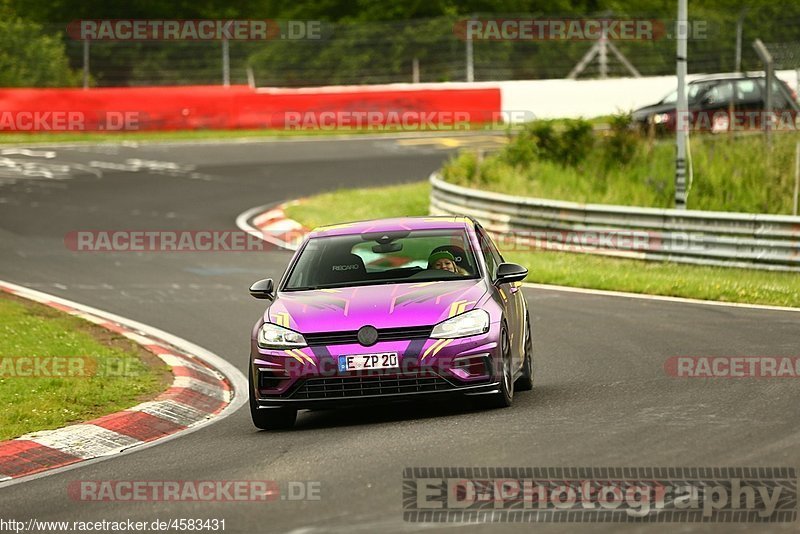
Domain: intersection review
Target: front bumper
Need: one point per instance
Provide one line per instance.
(349, 391)
(428, 368)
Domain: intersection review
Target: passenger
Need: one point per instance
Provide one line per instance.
(444, 261)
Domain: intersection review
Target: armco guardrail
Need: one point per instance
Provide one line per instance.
(700, 237)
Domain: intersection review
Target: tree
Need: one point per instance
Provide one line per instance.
(30, 58)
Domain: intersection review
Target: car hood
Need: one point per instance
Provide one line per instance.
(382, 306)
(646, 111)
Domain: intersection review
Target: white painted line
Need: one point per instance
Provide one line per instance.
(176, 412)
(84, 441)
(264, 217)
(136, 338)
(664, 298)
(89, 317)
(201, 387)
(47, 154)
(282, 225)
(176, 361)
(243, 223)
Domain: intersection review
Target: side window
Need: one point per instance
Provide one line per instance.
(720, 94)
(490, 254)
(748, 92)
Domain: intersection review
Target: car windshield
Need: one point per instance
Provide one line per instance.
(694, 90)
(383, 258)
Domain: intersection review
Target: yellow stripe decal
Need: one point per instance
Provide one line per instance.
(305, 356)
(454, 308)
(440, 347)
(282, 319)
(429, 349)
(293, 355)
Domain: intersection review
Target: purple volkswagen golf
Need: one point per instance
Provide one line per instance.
(390, 310)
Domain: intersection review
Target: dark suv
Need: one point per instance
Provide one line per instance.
(721, 103)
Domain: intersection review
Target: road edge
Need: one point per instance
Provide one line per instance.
(205, 389)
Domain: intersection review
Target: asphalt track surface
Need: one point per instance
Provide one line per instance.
(601, 398)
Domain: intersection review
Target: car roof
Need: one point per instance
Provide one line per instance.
(730, 76)
(392, 225)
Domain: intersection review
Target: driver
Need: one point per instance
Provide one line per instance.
(444, 261)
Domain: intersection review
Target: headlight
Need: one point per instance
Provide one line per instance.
(472, 323)
(272, 336)
(661, 118)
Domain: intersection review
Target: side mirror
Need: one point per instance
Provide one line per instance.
(510, 272)
(263, 289)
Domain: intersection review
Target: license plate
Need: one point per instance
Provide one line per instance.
(360, 362)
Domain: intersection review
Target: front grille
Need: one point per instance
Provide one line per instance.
(360, 386)
(384, 334)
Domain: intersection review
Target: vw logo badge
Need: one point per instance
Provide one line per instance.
(367, 336)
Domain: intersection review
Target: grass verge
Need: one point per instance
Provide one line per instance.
(56, 369)
(212, 135)
(568, 269)
(739, 173)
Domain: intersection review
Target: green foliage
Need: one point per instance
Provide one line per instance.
(731, 173)
(623, 142)
(567, 142)
(576, 141)
(29, 58)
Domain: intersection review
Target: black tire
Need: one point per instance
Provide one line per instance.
(504, 397)
(525, 382)
(269, 418)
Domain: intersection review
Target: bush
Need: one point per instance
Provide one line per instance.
(577, 140)
(521, 150)
(28, 58)
(624, 141)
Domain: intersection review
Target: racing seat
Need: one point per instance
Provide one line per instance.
(342, 267)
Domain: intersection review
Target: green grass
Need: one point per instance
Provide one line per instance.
(119, 377)
(731, 173)
(212, 135)
(346, 205)
(568, 269)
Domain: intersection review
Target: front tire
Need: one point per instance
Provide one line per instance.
(504, 397)
(269, 418)
(525, 382)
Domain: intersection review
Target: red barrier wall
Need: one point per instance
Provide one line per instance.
(215, 107)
